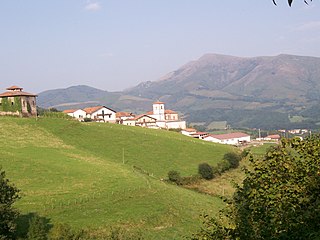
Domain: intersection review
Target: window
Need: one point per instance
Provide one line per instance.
(12, 103)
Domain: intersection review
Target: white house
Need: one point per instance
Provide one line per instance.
(144, 120)
(121, 116)
(188, 131)
(76, 113)
(101, 114)
(229, 138)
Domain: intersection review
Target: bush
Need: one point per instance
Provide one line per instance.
(233, 158)
(205, 170)
(38, 228)
(64, 232)
(174, 176)
(222, 166)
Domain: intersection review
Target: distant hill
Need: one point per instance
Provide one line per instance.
(261, 92)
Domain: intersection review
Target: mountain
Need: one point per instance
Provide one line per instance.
(263, 92)
(247, 92)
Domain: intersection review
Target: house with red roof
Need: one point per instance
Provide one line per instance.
(15, 101)
(142, 120)
(235, 138)
(101, 114)
(76, 113)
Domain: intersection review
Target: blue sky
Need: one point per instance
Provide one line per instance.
(116, 44)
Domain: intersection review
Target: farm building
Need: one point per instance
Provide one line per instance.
(101, 114)
(229, 138)
(17, 102)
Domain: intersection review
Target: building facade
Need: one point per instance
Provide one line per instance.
(17, 102)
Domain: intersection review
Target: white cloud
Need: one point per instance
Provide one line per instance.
(309, 26)
(93, 6)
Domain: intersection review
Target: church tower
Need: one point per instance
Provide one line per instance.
(158, 111)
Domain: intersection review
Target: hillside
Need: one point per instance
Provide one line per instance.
(101, 175)
(258, 92)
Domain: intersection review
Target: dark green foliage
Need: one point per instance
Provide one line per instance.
(221, 167)
(122, 234)
(279, 198)
(8, 106)
(64, 232)
(212, 229)
(174, 176)
(205, 171)
(8, 195)
(38, 228)
(233, 158)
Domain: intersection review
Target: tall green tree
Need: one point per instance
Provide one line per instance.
(8, 195)
(279, 198)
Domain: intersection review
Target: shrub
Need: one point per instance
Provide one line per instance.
(64, 232)
(38, 228)
(233, 158)
(222, 166)
(174, 176)
(205, 170)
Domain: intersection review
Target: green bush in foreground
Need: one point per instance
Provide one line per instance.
(279, 198)
(8, 195)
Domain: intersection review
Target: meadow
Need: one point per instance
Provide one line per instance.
(98, 175)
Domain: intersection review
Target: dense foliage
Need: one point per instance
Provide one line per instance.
(279, 198)
(8, 195)
(205, 170)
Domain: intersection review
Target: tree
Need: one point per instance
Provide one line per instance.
(8, 195)
(290, 2)
(279, 198)
(38, 228)
(233, 158)
(205, 170)
(174, 176)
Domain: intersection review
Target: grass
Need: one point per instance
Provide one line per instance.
(93, 175)
(224, 185)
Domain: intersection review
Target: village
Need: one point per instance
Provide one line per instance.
(16, 102)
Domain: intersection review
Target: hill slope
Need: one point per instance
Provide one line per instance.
(84, 175)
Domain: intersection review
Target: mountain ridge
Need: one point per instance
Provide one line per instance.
(284, 84)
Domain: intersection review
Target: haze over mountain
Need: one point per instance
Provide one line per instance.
(268, 92)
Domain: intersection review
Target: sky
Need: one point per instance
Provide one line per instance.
(116, 44)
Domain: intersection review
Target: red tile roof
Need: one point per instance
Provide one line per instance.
(16, 94)
(90, 110)
(70, 110)
(143, 115)
(124, 114)
(275, 136)
(14, 88)
(158, 102)
(190, 130)
(229, 135)
(169, 112)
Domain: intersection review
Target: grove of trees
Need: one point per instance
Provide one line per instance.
(279, 198)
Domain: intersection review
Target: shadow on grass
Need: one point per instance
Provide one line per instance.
(23, 224)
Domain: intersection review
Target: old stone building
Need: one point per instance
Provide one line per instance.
(17, 102)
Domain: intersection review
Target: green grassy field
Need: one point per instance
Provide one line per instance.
(97, 175)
